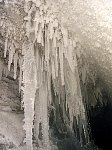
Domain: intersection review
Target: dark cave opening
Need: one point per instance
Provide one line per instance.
(101, 126)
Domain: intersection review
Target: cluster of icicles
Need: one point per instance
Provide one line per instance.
(12, 47)
(52, 49)
(48, 53)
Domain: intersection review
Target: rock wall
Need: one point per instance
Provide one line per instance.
(11, 115)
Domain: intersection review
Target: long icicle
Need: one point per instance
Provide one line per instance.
(29, 90)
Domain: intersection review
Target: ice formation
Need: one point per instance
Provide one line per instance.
(48, 52)
(54, 48)
(44, 49)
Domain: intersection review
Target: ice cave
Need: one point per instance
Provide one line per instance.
(55, 74)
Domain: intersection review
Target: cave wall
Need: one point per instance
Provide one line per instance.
(11, 115)
(10, 98)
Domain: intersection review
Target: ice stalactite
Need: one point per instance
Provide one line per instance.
(1, 69)
(20, 57)
(15, 64)
(43, 95)
(41, 105)
(11, 54)
(6, 44)
(29, 91)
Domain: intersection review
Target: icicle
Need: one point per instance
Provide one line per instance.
(56, 62)
(70, 55)
(66, 104)
(45, 126)
(53, 69)
(47, 47)
(15, 64)
(37, 115)
(79, 96)
(65, 36)
(61, 62)
(59, 99)
(11, 53)
(29, 90)
(51, 30)
(36, 20)
(58, 35)
(1, 69)
(52, 50)
(54, 40)
(38, 104)
(6, 44)
(20, 73)
(46, 43)
(39, 35)
(42, 22)
(42, 39)
(49, 88)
